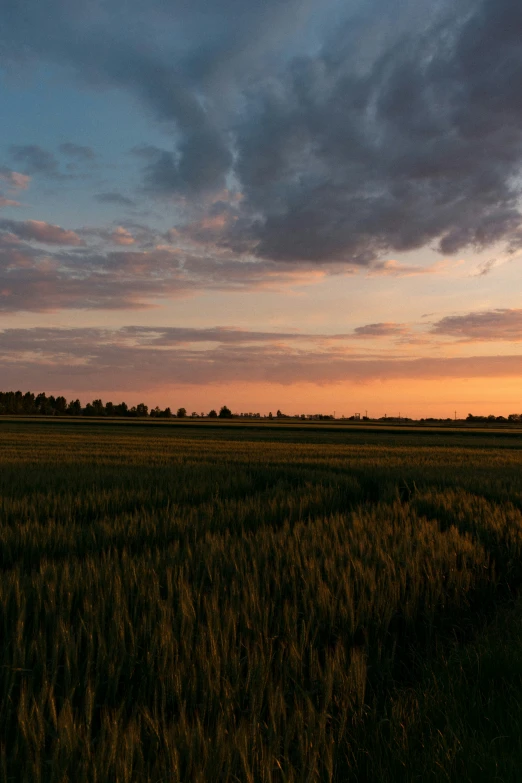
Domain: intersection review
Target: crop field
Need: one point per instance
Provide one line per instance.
(222, 602)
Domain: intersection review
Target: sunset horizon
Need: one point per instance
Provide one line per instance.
(311, 207)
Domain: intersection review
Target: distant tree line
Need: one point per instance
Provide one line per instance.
(513, 417)
(16, 403)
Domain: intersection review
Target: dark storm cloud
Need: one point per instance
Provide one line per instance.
(146, 52)
(380, 127)
(35, 159)
(424, 147)
(487, 325)
(200, 164)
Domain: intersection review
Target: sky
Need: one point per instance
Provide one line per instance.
(305, 205)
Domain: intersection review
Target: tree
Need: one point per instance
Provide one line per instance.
(182, 412)
(212, 414)
(99, 408)
(74, 408)
(225, 413)
(28, 402)
(60, 405)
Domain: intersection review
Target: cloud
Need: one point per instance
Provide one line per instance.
(8, 202)
(381, 330)
(120, 236)
(422, 147)
(114, 198)
(90, 278)
(353, 130)
(77, 151)
(200, 164)
(211, 228)
(14, 179)
(393, 268)
(220, 335)
(482, 326)
(39, 231)
(36, 159)
(83, 359)
(130, 233)
(485, 267)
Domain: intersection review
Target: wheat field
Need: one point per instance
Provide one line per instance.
(183, 602)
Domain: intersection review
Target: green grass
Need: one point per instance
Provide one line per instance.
(251, 603)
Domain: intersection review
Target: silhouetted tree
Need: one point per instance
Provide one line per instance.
(98, 407)
(28, 402)
(40, 403)
(225, 413)
(60, 405)
(74, 408)
(182, 412)
(212, 414)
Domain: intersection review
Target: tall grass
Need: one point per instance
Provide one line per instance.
(181, 604)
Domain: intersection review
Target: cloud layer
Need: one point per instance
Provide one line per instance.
(351, 130)
(120, 268)
(144, 358)
(482, 326)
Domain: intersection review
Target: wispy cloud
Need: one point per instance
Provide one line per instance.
(145, 358)
(113, 197)
(394, 268)
(36, 160)
(40, 281)
(8, 202)
(501, 324)
(14, 179)
(40, 231)
(381, 330)
(78, 152)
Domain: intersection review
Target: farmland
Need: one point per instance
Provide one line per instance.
(193, 602)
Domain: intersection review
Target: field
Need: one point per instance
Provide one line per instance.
(193, 602)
